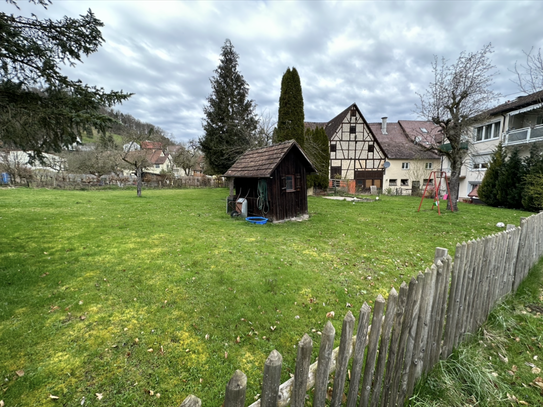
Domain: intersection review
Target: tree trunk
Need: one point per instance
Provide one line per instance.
(454, 182)
(138, 176)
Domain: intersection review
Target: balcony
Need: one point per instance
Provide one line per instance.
(523, 136)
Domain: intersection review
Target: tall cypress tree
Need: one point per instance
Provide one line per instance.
(290, 121)
(230, 122)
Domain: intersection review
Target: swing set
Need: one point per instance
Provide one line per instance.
(433, 179)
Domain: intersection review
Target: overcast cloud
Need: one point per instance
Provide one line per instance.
(377, 54)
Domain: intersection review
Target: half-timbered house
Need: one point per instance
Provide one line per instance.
(273, 179)
(355, 152)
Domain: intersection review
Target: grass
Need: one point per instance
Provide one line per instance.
(104, 293)
(501, 364)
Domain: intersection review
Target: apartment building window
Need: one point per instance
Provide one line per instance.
(393, 182)
(405, 166)
(480, 162)
(487, 131)
(428, 166)
(404, 182)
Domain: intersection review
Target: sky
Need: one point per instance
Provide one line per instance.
(377, 54)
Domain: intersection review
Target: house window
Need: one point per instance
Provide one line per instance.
(333, 148)
(370, 148)
(157, 165)
(428, 166)
(289, 183)
(335, 172)
(353, 112)
(404, 182)
(429, 182)
(393, 182)
(352, 130)
(405, 166)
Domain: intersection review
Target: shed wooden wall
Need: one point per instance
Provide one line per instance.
(282, 204)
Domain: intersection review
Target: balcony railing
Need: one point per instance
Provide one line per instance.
(524, 135)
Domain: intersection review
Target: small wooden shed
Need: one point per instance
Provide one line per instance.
(274, 180)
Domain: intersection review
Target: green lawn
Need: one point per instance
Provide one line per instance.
(104, 293)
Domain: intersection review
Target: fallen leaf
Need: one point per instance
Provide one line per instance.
(151, 392)
(207, 337)
(158, 395)
(82, 317)
(53, 397)
(238, 340)
(538, 383)
(80, 302)
(99, 396)
(330, 314)
(201, 380)
(1, 403)
(272, 328)
(226, 355)
(150, 350)
(503, 358)
(523, 403)
(536, 370)
(20, 373)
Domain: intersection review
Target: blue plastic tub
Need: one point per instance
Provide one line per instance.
(257, 220)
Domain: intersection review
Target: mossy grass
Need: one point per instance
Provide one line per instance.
(502, 363)
(104, 293)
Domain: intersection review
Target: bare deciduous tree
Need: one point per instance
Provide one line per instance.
(187, 156)
(456, 99)
(530, 75)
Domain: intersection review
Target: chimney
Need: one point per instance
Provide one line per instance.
(384, 125)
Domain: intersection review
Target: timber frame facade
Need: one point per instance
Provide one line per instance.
(355, 152)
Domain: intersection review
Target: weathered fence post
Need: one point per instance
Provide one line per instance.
(373, 342)
(454, 300)
(323, 367)
(303, 360)
(411, 340)
(191, 401)
(343, 356)
(235, 390)
(383, 347)
(393, 350)
(271, 380)
(358, 358)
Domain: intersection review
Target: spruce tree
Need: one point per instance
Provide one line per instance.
(290, 121)
(511, 186)
(490, 189)
(533, 180)
(230, 122)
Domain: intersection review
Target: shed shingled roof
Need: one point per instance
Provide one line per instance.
(261, 163)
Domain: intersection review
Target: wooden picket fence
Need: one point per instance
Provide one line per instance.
(422, 323)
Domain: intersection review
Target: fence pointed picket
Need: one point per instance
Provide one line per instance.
(407, 365)
(404, 337)
(453, 303)
(394, 345)
(358, 358)
(271, 380)
(235, 390)
(420, 336)
(376, 323)
(383, 347)
(447, 265)
(342, 362)
(323, 367)
(191, 401)
(303, 361)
